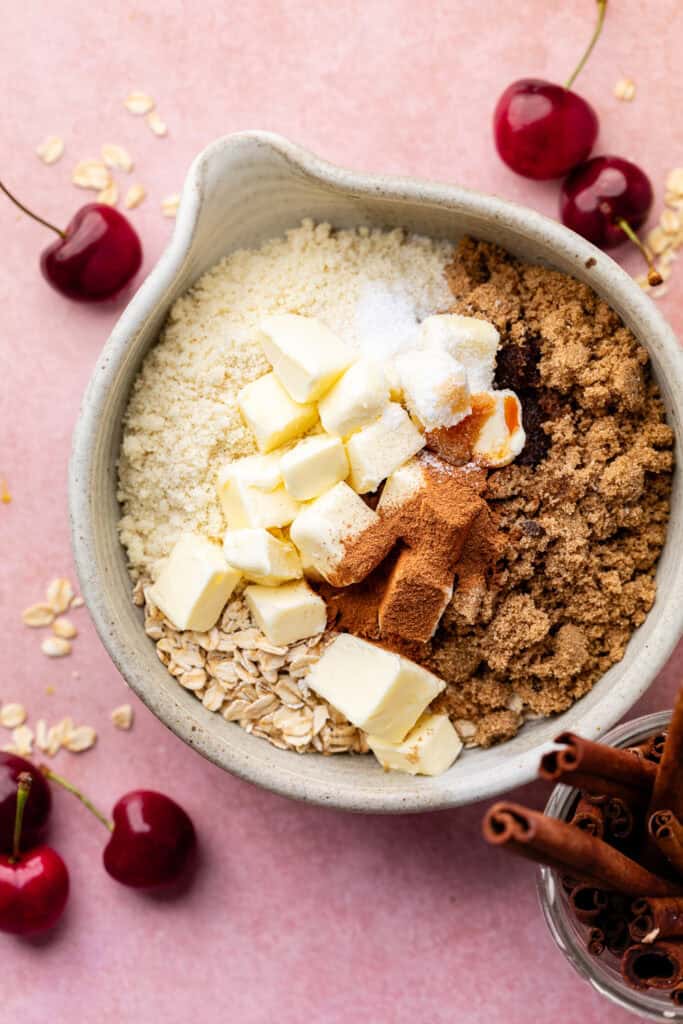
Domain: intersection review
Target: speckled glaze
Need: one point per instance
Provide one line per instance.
(240, 191)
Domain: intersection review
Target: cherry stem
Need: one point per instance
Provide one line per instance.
(23, 789)
(53, 777)
(25, 209)
(602, 6)
(653, 276)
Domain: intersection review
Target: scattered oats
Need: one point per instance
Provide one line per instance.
(109, 195)
(674, 182)
(37, 615)
(670, 222)
(91, 174)
(169, 205)
(194, 680)
(51, 149)
(22, 738)
(64, 627)
(156, 124)
(60, 730)
(657, 241)
(465, 729)
(80, 739)
(54, 741)
(55, 646)
(134, 196)
(625, 89)
(138, 103)
(122, 716)
(77, 602)
(59, 594)
(42, 739)
(117, 157)
(12, 715)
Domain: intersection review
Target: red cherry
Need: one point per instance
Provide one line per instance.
(38, 803)
(152, 840)
(541, 129)
(33, 891)
(95, 257)
(598, 195)
(34, 887)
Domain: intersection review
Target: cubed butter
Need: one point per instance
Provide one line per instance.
(314, 465)
(377, 450)
(473, 342)
(355, 400)
(434, 387)
(501, 436)
(323, 529)
(401, 487)
(307, 356)
(377, 690)
(287, 613)
(194, 584)
(245, 505)
(271, 415)
(430, 748)
(261, 557)
(262, 471)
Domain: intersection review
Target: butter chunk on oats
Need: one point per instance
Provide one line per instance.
(307, 356)
(271, 415)
(377, 690)
(194, 584)
(379, 449)
(430, 748)
(288, 613)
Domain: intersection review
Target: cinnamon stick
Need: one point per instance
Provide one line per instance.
(596, 941)
(587, 903)
(663, 916)
(667, 792)
(556, 843)
(608, 770)
(589, 815)
(677, 996)
(655, 747)
(653, 965)
(619, 818)
(666, 831)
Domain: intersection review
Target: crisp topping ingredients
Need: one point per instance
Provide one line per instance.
(261, 557)
(434, 387)
(430, 748)
(377, 690)
(272, 415)
(378, 449)
(358, 398)
(471, 341)
(195, 584)
(288, 613)
(322, 529)
(307, 356)
(313, 466)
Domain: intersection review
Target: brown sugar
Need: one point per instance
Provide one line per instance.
(582, 513)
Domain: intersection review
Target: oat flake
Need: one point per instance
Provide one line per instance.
(64, 627)
(37, 615)
(156, 124)
(12, 715)
(122, 716)
(51, 149)
(55, 647)
(138, 103)
(91, 174)
(59, 594)
(117, 157)
(134, 196)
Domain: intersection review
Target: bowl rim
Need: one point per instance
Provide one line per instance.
(522, 767)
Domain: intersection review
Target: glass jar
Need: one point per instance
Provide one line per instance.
(601, 972)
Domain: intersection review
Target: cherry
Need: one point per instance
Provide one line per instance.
(152, 838)
(541, 129)
(38, 803)
(34, 887)
(95, 256)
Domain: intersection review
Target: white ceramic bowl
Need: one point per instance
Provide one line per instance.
(240, 191)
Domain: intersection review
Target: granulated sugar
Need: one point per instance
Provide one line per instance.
(182, 422)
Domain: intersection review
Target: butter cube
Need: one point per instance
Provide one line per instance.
(323, 530)
(262, 557)
(313, 466)
(430, 748)
(355, 400)
(271, 414)
(376, 451)
(194, 584)
(501, 436)
(377, 690)
(288, 613)
(307, 356)
(402, 486)
(247, 506)
(434, 387)
(471, 341)
(262, 471)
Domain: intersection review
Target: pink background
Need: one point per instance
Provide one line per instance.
(298, 913)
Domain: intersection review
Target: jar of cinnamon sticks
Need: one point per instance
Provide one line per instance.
(611, 886)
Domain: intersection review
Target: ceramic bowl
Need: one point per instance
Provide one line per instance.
(242, 190)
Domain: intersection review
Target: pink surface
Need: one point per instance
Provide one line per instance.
(298, 913)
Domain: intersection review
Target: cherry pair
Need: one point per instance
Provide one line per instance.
(543, 130)
(151, 845)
